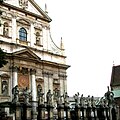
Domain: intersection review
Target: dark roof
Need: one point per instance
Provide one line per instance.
(115, 76)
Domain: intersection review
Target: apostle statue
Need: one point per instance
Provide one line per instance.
(40, 95)
(49, 97)
(15, 92)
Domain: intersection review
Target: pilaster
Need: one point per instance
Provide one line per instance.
(15, 76)
(14, 30)
(63, 83)
(33, 84)
(48, 82)
(34, 92)
(32, 37)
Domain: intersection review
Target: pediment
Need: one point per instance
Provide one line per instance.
(24, 21)
(27, 54)
(30, 6)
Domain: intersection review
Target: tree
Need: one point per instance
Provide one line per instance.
(2, 58)
(1, 1)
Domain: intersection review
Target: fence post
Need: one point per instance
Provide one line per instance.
(41, 112)
(50, 112)
(82, 111)
(17, 111)
(77, 112)
(95, 113)
(28, 112)
(26, 115)
(88, 113)
(60, 109)
(67, 112)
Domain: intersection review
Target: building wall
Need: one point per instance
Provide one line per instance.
(32, 62)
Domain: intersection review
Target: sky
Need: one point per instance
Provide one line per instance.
(90, 30)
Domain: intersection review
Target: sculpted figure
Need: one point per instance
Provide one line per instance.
(15, 92)
(82, 101)
(4, 89)
(92, 101)
(40, 95)
(26, 96)
(49, 97)
(66, 98)
(76, 97)
(56, 94)
(88, 101)
(109, 96)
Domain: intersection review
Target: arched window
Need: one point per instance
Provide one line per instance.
(23, 34)
(5, 29)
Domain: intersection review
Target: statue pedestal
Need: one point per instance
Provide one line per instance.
(50, 112)
(77, 112)
(67, 112)
(18, 112)
(60, 109)
(41, 112)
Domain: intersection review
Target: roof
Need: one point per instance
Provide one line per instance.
(115, 76)
(116, 93)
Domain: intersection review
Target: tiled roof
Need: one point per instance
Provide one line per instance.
(115, 77)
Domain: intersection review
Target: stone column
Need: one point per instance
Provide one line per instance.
(34, 92)
(14, 30)
(46, 82)
(61, 84)
(65, 82)
(50, 82)
(15, 76)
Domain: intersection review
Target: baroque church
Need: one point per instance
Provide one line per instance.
(34, 60)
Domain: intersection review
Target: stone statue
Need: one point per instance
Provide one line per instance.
(92, 101)
(26, 96)
(49, 97)
(5, 29)
(82, 101)
(109, 96)
(40, 95)
(56, 94)
(76, 97)
(15, 92)
(4, 88)
(66, 98)
(60, 101)
(88, 101)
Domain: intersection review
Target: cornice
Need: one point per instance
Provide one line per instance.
(44, 62)
(43, 51)
(47, 73)
(54, 64)
(62, 75)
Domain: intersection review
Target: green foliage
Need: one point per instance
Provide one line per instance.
(2, 58)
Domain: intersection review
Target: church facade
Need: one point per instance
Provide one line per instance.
(34, 60)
